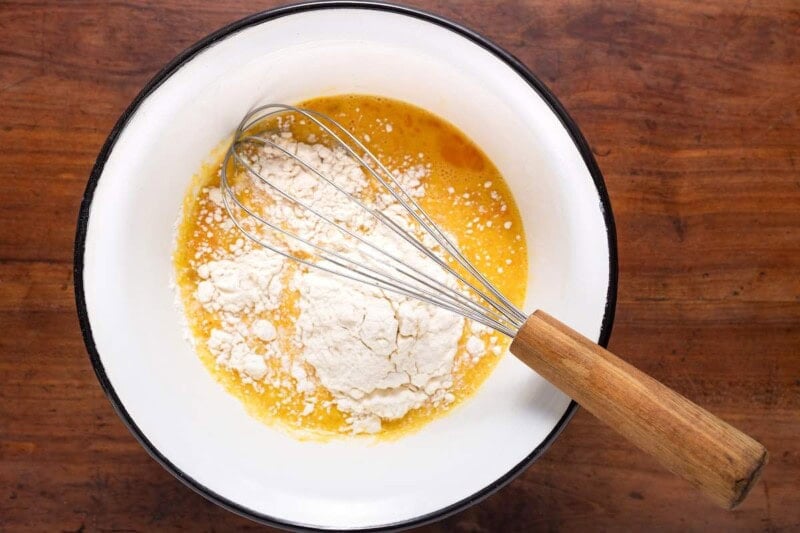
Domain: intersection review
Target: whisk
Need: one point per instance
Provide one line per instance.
(721, 461)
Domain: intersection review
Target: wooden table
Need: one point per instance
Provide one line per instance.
(693, 112)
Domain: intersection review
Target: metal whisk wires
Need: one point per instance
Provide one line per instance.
(471, 296)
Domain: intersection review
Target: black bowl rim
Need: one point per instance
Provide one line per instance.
(187, 55)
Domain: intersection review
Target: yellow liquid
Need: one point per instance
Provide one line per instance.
(464, 194)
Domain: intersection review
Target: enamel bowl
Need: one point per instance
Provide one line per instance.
(133, 330)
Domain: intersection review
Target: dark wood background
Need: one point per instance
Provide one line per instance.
(693, 112)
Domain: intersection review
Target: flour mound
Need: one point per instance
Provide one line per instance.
(379, 354)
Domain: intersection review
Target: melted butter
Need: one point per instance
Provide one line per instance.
(463, 185)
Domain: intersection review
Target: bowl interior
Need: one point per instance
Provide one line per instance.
(161, 384)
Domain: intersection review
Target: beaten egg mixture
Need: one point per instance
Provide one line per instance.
(462, 192)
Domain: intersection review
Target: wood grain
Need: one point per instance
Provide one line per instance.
(718, 459)
(692, 111)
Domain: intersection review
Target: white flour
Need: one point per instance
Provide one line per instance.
(379, 354)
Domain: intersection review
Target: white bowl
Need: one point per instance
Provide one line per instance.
(132, 327)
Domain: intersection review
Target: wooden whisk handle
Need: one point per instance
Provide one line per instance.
(720, 460)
